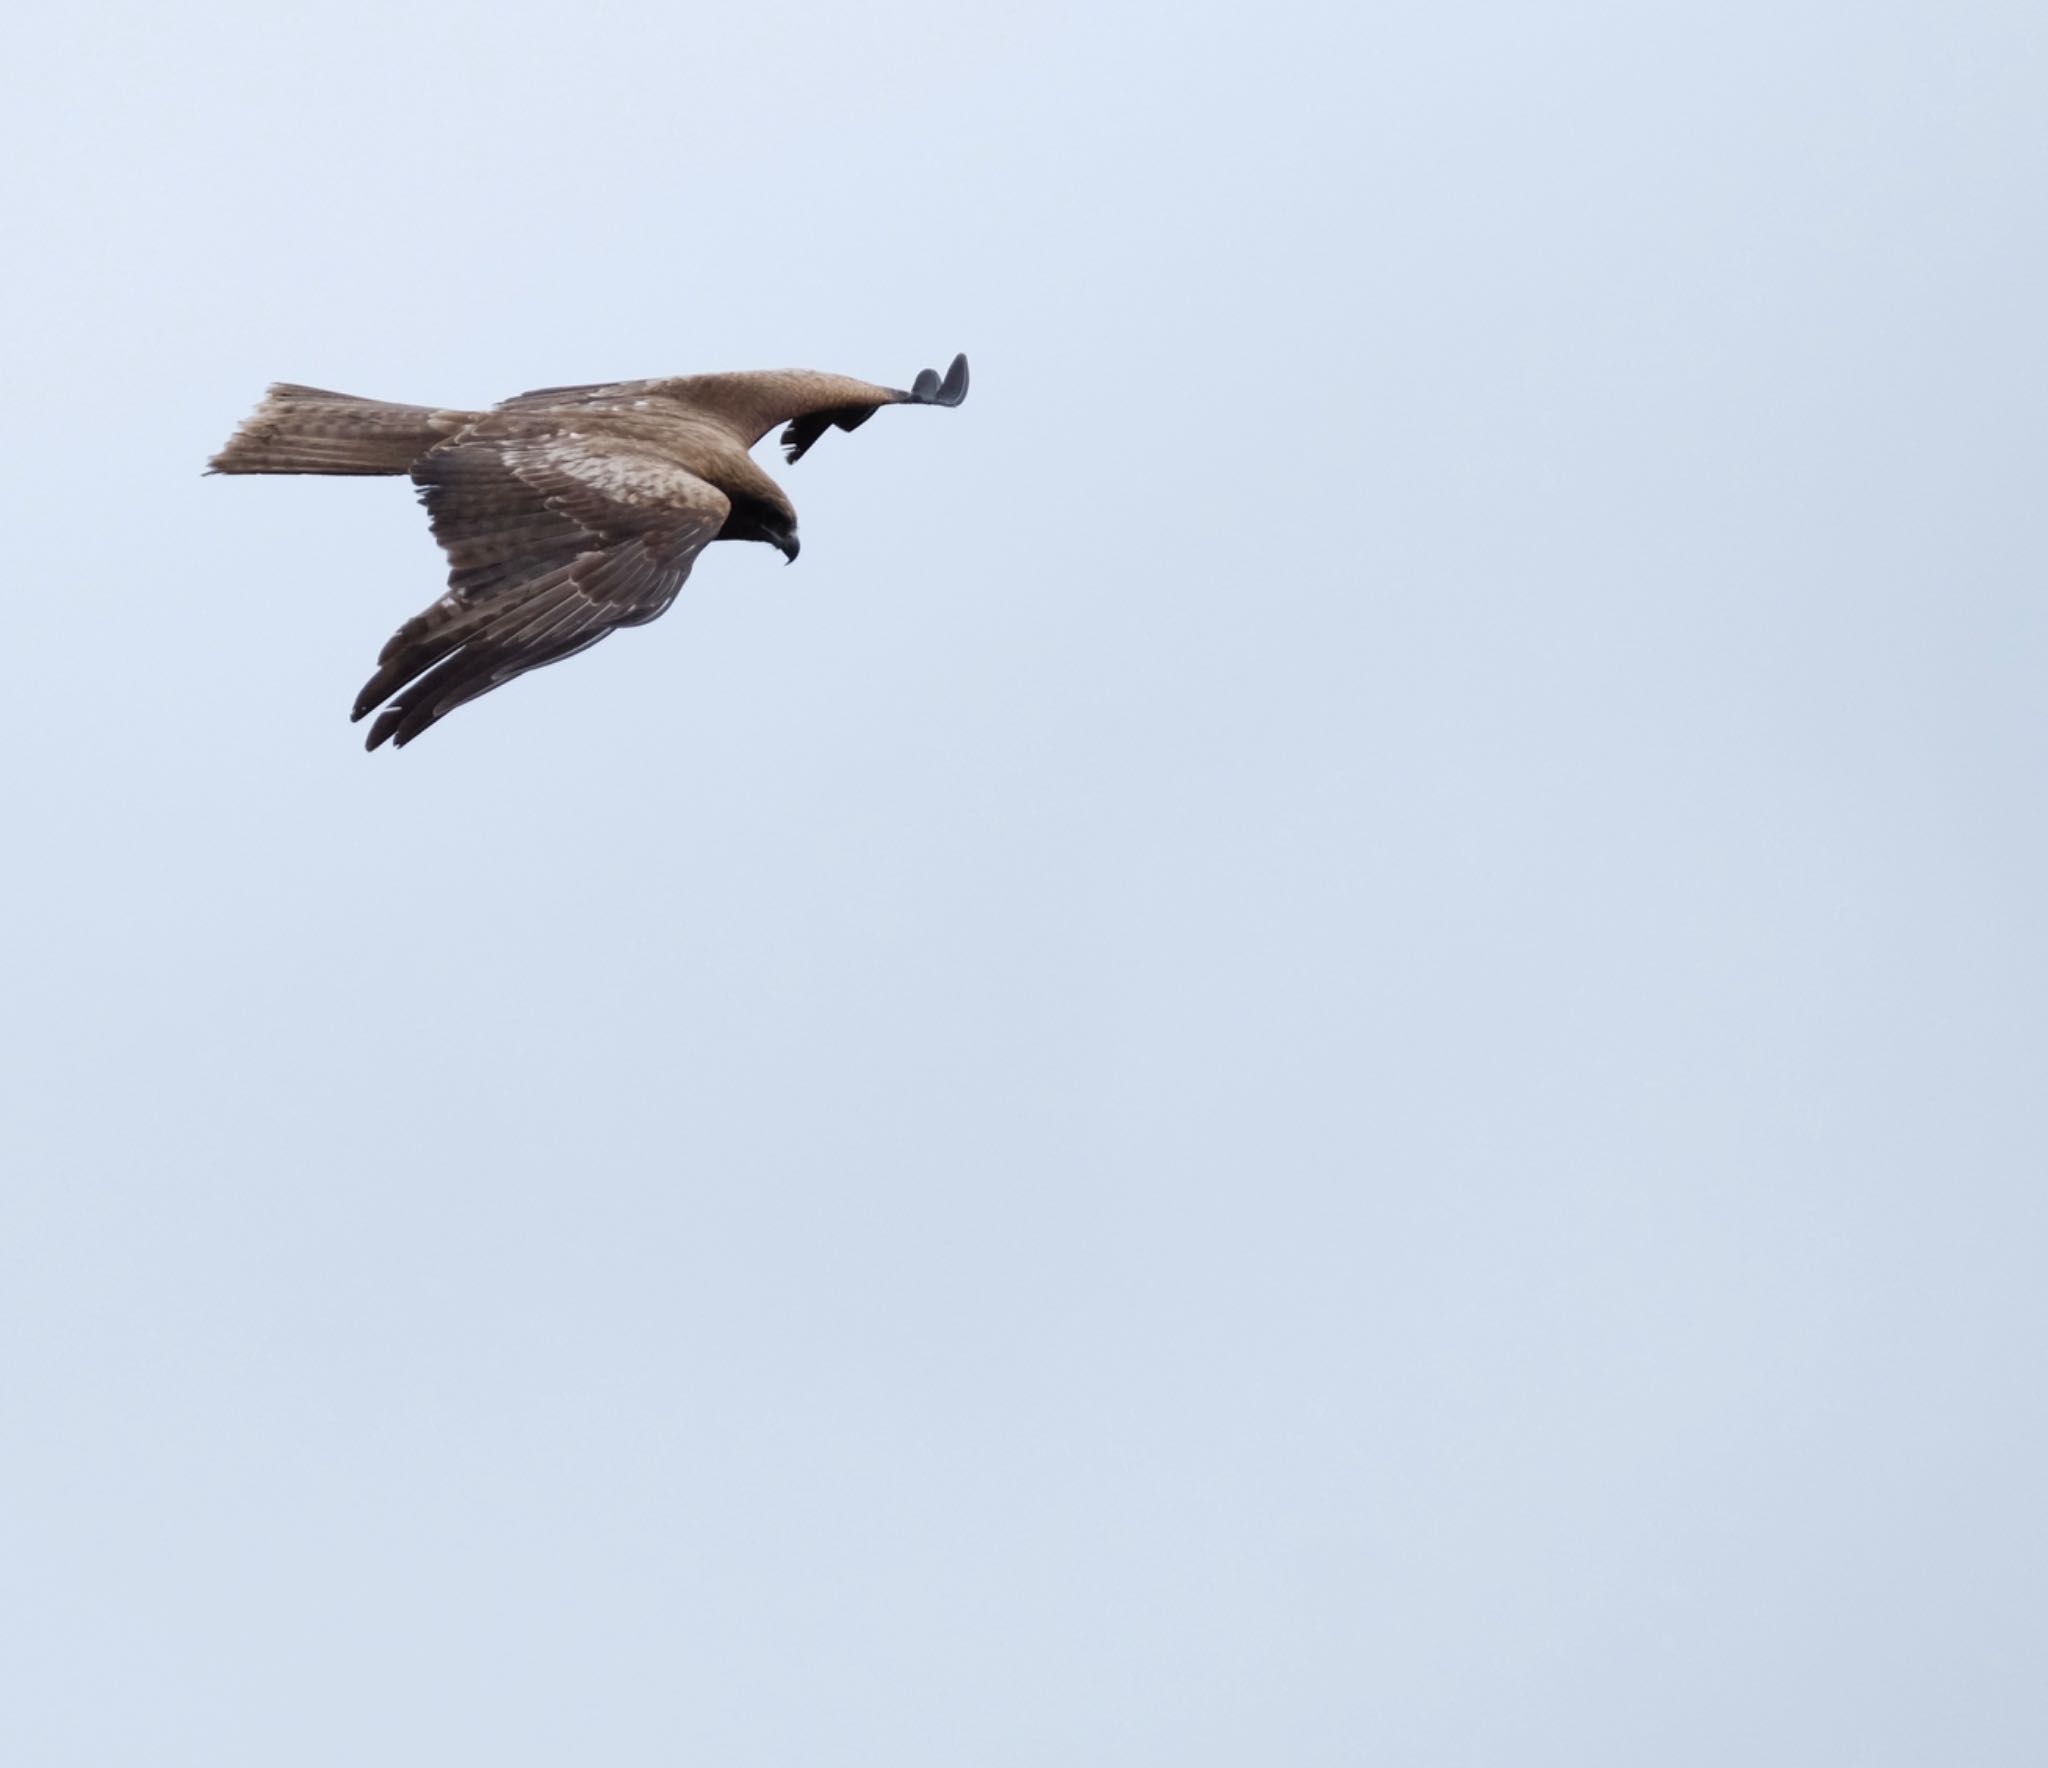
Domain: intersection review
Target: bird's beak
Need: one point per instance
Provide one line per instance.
(791, 546)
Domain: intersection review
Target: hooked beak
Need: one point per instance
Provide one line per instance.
(790, 546)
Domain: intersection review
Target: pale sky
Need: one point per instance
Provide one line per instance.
(1326, 1047)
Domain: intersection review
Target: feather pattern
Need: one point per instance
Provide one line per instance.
(546, 556)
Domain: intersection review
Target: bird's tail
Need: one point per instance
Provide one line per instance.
(306, 430)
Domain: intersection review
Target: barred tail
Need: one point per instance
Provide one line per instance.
(306, 430)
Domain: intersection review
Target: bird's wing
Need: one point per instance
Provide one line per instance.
(553, 541)
(928, 389)
(745, 407)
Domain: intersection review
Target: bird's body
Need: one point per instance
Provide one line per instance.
(566, 513)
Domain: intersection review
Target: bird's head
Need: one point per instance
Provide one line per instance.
(760, 518)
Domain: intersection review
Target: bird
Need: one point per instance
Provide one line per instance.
(566, 513)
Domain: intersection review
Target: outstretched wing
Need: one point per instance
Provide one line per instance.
(927, 389)
(553, 540)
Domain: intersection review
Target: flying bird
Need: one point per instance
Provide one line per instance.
(565, 513)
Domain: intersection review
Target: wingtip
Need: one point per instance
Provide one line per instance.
(380, 730)
(930, 389)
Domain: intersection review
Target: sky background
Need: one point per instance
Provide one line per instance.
(1327, 1047)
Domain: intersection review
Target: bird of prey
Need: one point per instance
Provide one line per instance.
(565, 513)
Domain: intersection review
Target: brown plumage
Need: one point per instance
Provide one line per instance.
(565, 513)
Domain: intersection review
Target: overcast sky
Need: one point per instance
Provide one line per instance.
(1326, 1047)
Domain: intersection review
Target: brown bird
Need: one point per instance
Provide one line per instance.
(565, 513)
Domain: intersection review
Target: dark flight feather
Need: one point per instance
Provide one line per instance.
(927, 389)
